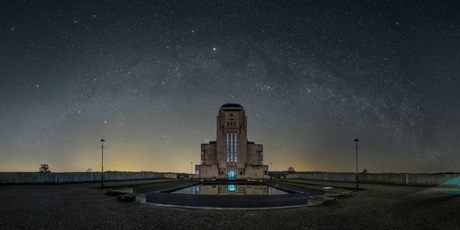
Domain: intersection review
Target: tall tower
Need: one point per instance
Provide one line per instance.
(232, 138)
(231, 156)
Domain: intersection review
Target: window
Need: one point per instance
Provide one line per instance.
(260, 157)
(231, 149)
(235, 146)
(228, 147)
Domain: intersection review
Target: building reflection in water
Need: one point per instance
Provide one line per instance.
(231, 189)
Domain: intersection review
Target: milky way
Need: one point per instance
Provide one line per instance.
(150, 76)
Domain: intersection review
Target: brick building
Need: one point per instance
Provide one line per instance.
(231, 156)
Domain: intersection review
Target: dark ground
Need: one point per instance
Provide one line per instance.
(77, 206)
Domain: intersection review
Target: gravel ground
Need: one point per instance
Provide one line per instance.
(80, 206)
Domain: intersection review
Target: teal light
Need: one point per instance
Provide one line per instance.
(453, 182)
(231, 187)
(231, 175)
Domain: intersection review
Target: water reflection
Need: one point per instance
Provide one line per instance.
(230, 189)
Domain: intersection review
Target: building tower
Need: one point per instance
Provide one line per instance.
(231, 156)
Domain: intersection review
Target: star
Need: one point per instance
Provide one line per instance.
(308, 75)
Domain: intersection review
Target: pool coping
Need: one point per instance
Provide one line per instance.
(229, 208)
(230, 202)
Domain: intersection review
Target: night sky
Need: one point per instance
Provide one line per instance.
(150, 76)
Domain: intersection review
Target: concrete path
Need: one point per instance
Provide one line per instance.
(77, 206)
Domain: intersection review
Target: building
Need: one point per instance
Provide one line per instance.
(231, 156)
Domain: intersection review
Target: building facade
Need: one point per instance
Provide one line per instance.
(231, 156)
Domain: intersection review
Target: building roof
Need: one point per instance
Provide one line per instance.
(231, 105)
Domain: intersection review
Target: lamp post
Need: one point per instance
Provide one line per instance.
(102, 170)
(271, 173)
(357, 181)
(191, 169)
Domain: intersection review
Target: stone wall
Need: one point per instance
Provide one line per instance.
(255, 171)
(446, 179)
(206, 171)
(75, 177)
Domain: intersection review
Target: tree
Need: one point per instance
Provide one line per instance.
(291, 169)
(44, 168)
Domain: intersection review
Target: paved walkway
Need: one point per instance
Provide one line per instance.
(76, 206)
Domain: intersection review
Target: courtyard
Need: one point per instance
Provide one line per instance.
(83, 206)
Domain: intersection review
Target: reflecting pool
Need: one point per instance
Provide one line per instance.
(230, 189)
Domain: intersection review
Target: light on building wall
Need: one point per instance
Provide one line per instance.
(231, 153)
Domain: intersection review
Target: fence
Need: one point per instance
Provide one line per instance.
(74, 177)
(446, 179)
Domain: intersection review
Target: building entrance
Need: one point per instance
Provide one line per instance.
(231, 175)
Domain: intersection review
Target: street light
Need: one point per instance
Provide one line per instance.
(102, 170)
(271, 173)
(191, 170)
(357, 181)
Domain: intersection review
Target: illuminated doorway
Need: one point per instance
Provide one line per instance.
(231, 175)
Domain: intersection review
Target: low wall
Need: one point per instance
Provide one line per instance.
(74, 177)
(446, 179)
